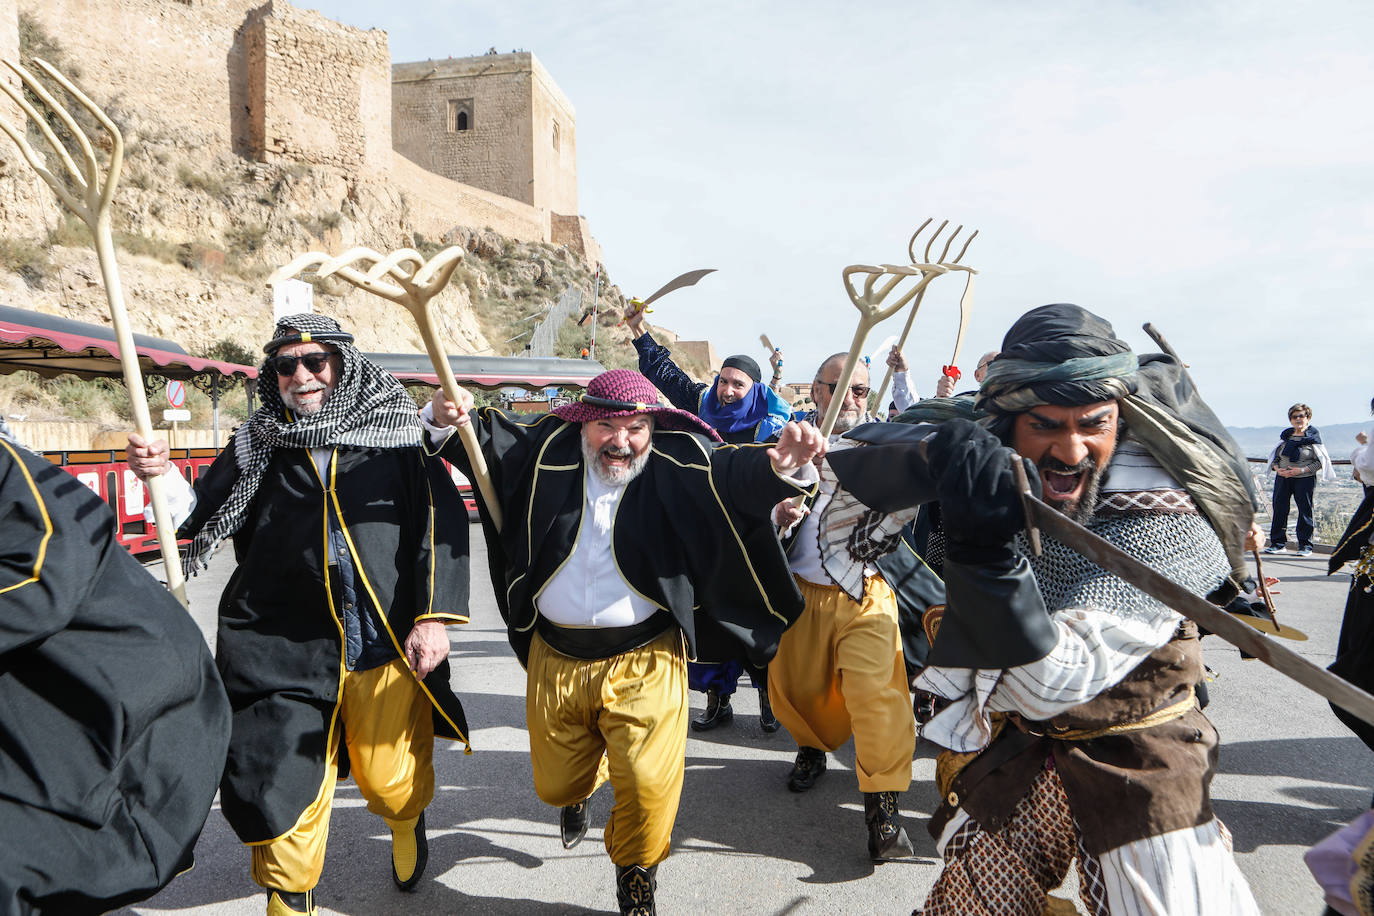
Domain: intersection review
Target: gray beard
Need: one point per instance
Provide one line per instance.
(613, 479)
(291, 401)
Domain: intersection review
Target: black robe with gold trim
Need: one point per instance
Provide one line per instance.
(113, 723)
(692, 533)
(280, 644)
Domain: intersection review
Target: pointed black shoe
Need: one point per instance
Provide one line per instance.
(409, 853)
(718, 712)
(887, 839)
(767, 721)
(806, 769)
(572, 823)
(634, 889)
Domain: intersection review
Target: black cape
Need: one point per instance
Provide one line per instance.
(1355, 647)
(692, 532)
(113, 723)
(280, 649)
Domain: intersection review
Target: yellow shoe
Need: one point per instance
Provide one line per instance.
(285, 903)
(409, 852)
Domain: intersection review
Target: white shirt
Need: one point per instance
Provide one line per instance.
(588, 590)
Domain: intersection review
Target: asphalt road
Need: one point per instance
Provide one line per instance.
(1290, 774)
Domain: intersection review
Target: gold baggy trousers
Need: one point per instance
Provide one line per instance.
(839, 671)
(622, 718)
(388, 727)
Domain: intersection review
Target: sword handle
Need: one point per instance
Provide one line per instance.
(1018, 468)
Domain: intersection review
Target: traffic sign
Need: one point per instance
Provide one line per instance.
(176, 416)
(176, 393)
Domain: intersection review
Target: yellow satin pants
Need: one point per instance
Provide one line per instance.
(838, 672)
(622, 718)
(388, 727)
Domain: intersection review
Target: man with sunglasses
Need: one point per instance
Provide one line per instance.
(352, 558)
(839, 670)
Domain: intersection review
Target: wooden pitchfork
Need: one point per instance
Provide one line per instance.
(88, 192)
(404, 277)
(872, 312)
(965, 302)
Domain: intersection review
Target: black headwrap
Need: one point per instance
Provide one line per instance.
(1063, 354)
(367, 407)
(743, 364)
(1058, 354)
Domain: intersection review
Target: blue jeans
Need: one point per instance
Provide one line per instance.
(1300, 489)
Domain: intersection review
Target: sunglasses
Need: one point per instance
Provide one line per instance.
(285, 366)
(859, 391)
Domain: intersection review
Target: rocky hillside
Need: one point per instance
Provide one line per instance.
(198, 235)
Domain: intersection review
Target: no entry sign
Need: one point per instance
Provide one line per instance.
(176, 393)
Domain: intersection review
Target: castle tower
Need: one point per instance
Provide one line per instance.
(497, 122)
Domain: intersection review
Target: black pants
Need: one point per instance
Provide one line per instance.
(1300, 489)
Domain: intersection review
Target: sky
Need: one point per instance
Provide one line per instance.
(1204, 166)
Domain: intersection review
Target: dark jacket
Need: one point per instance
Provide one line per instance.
(114, 721)
(692, 532)
(280, 648)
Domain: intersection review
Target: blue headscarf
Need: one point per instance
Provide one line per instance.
(761, 406)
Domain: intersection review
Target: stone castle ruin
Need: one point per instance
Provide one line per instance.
(486, 142)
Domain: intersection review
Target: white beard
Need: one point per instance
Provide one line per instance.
(613, 478)
(293, 401)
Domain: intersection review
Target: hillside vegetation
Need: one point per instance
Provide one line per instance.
(198, 234)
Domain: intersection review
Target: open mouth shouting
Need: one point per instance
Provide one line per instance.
(1070, 488)
(616, 461)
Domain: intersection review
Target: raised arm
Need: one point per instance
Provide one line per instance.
(656, 364)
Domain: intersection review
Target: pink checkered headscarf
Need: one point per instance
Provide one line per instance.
(624, 392)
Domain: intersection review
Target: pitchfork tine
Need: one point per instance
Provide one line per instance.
(945, 253)
(89, 167)
(41, 122)
(933, 238)
(116, 138)
(965, 248)
(911, 245)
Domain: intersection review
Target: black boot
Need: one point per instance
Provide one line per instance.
(767, 721)
(634, 889)
(718, 712)
(886, 838)
(286, 903)
(572, 824)
(806, 769)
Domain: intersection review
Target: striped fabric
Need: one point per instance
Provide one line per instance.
(1010, 871)
(851, 535)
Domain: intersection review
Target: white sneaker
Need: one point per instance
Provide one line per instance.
(1304, 551)
(1272, 549)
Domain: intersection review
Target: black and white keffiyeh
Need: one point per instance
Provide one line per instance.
(368, 408)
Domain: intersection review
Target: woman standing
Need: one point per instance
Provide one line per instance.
(1295, 461)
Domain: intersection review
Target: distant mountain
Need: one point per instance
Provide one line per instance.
(1259, 441)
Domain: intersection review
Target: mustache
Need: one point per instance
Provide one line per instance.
(1054, 464)
(308, 387)
(612, 451)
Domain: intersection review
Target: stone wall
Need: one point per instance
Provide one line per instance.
(490, 148)
(555, 144)
(437, 204)
(574, 232)
(319, 92)
(180, 60)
